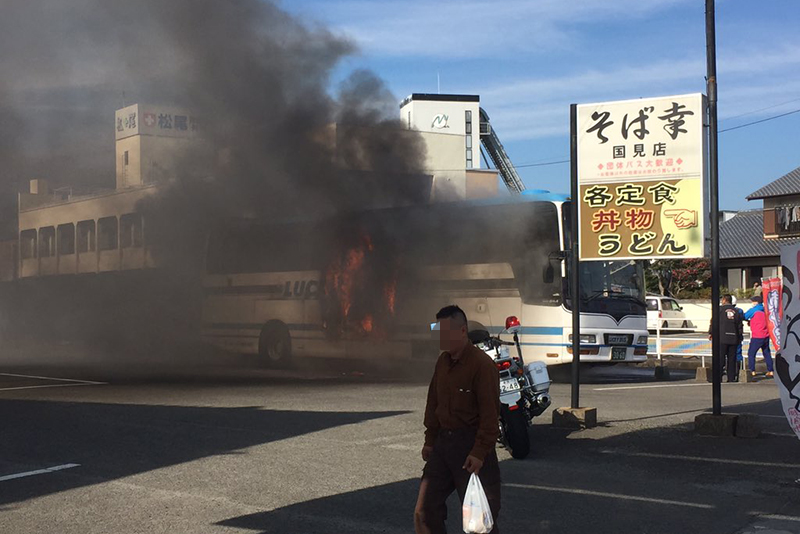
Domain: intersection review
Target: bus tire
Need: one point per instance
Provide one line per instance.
(275, 344)
(517, 437)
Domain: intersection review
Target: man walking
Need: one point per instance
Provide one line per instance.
(759, 335)
(730, 335)
(461, 425)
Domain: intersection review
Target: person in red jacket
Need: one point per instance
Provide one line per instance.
(759, 335)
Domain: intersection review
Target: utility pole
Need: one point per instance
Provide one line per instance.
(575, 260)
(713, 174)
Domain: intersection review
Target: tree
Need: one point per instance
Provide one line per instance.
(674, 277)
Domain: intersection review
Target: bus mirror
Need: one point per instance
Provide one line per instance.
(549, 274)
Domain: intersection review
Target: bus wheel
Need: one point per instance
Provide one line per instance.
(275, 344)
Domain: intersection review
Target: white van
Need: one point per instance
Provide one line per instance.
(664, 312)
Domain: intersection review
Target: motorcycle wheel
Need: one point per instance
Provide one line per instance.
(516, 433)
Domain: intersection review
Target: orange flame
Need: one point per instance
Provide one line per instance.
(390, 292)
(366, 323)
(346, 280)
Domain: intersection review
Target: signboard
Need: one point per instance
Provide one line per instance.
(641, 178)
(141, 119)
(787, 360)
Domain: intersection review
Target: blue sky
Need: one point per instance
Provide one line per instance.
(528, 60)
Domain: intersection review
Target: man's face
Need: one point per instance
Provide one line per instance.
(452, 336)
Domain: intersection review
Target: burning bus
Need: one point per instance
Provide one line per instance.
(365, 284)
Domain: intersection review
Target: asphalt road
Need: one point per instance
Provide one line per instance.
(229, 448)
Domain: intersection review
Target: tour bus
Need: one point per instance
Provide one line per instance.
(368, 285)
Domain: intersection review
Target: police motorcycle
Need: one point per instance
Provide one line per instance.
(524, 389)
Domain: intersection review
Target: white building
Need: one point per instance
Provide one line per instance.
(451, 128)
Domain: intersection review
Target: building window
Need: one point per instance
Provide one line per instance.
(27, 244)
(107, 233)
(126, 157)
(130, 230)
(468, 130)
(86, 236)
(66, 239)
(47, 242)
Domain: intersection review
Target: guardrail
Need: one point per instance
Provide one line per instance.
(669, 342)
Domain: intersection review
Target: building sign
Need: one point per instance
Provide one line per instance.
(641, 176)
(787, 360)
(439, 122)
(140, 119)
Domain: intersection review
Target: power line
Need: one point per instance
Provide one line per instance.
(762, 109)
(560, 162)
(760, 121)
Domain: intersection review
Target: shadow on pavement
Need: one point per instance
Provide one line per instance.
(111, 441)
(657, 480)
(615, 374)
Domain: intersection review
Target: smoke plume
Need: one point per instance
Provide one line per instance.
(277, 139)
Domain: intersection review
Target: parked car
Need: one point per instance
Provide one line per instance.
(665, 312)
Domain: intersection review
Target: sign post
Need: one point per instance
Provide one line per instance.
(575, 259)
(638, 176)
(711, 84)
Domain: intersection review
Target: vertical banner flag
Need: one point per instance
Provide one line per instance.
(771, 290)
(787, 360)
(642, 178)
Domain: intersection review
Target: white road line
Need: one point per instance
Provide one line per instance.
(38, 472)
(52, 378)
(47, 386)
(376, 441)
(781, 517)
(650, 386)
(577, 491)
(701, 459)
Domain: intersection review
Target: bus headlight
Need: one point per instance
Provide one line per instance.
(586, 338)
(642, 340)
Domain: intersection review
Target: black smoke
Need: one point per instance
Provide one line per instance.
(278, 138)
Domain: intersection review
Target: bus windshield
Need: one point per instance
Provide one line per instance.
(614, 287)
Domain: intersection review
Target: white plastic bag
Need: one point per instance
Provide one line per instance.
(476, 514)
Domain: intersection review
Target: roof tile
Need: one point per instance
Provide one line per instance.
(788, 184)
(743, 237)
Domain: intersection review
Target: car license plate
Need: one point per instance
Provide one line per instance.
(617, 339)
(618, 353)
(509, 385)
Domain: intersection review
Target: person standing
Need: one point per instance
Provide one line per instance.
(461, 425)
(757, 289)
(730, 335)
(759, 335)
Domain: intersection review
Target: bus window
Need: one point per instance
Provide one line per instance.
(47, 242)
(66, 239)
(27, 244)
(107, 233)
(86, 236)
(130, 230)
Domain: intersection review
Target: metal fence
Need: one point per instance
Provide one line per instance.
(689, 342)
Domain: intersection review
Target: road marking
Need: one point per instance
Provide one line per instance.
(399, 447)
(781, 517)
(591, 493)
(52, 378)
(700, 459)
(47, 386)
(651, 386)
(375, 441)
(38, 472)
